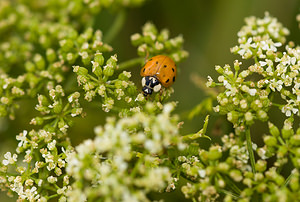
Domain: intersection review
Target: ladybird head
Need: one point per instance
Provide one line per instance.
(150, 84)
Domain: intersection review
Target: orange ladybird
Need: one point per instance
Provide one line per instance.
(159, 70)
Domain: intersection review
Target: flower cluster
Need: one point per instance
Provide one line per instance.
(127, 159)
(231, 171)
(56, 110)
(223, 172)
(36, 172)
(44, 151)
(102, 84)
(260, 38)
(151, 42)
(248, 97)
(38, 52)
(242, 101)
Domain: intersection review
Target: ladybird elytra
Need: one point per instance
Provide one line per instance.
(158, 70)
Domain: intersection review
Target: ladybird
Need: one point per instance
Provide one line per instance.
(159, 70)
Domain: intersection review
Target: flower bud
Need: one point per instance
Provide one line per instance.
(66, 45)
(249, 118)
(61, 123)
(43, 100)
(259, 177)
(286, 133)
(57, 107)
(261, 188)
(294, 182)
(219, 69)
(80, 70)
(112, 61)
(29, 66)
(108, 70)
(124, 76)
(262, 115)
(295, 140)
(163, 36)
(282, 150)
(223, 167)
(39, 61)
(261, 165)
(85, 57)
(71, 58)
(233, 116)
(99, 58)
(236, 175)
(142, 49)
(270, 141)
(73, 96)
(118, 84)
(50, 54)
(96, 69)
(38, 120)
(273, 130)
(214, 153)
(237, 65)
(136, 39)
(131, 90)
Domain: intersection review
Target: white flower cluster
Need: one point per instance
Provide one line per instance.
(123, 162)
(37, 153)
(260, 37)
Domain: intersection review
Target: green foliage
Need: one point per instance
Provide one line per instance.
(46, 46)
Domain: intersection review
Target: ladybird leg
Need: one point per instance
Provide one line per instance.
(160, 97)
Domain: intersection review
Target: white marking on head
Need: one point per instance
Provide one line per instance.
(143, 81)
(146, 90)
(157, 88)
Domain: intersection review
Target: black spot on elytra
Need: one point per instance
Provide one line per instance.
(165, 65)
(150, 59)
(167, 80)
(156, 62)
(173, 69)
(164, 75)
(144, 70)
(173, 78)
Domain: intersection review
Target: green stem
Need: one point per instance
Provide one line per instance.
(288, 179)
(229, 193)
(232, 186)
(52, 196)
(116, 27)
(250, 150)
(129, 63)
(137, 166)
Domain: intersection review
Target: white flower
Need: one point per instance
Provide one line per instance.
(32, 194)
(202, 173)
(252, 92)
(245, 48)
(9, 159)
(273, 84)
(51, 145)
(290, 108)
(22, 138)
(52, 179)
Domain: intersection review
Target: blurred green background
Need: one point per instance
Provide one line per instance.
(209, 29)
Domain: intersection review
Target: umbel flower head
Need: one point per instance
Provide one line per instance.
(248, 97)
(127, 159)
